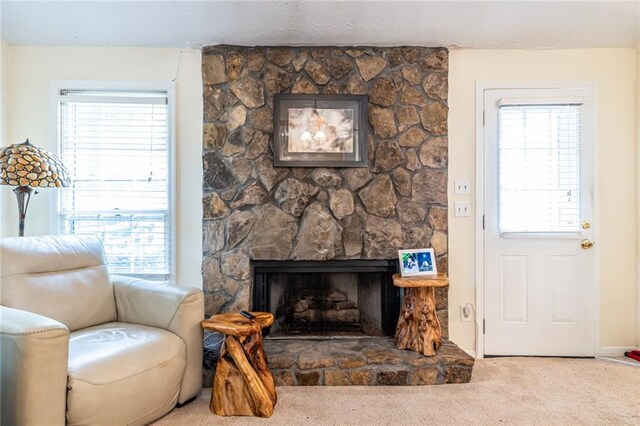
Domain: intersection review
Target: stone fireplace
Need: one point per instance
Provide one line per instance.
(302, 242)
(253, 211)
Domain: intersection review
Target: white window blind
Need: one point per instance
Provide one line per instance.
(539, 168)
(116, 147)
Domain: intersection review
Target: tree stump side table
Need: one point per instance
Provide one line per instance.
(418, 326)
(243, 384)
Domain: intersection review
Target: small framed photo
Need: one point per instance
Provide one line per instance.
(320, 130)
(417, 262)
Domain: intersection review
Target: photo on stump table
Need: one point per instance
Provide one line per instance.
(417, 262)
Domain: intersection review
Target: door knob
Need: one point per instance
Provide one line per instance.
(587, 244)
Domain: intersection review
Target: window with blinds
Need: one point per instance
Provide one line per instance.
(116, 147)
(539, 168)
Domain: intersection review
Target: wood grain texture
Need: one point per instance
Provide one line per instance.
(441, 280)
(243, 384)
(418, 326)
(237, 325)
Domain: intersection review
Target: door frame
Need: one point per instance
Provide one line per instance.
(481, 87)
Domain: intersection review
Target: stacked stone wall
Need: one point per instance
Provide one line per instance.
(252, 210)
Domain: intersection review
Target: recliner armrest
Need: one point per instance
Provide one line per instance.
(34, 351)
(170, 307)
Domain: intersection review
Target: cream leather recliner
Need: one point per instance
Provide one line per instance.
(80, 346)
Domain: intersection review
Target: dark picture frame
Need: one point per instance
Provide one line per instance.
(320, 130)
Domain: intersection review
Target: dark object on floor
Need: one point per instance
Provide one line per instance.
(212, 344)
(633, 355)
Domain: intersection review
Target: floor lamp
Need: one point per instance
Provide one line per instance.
(28, 167)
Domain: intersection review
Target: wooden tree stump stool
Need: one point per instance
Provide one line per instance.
(418, 326)
(243, 384)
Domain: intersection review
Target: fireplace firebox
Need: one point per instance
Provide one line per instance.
(327, 298)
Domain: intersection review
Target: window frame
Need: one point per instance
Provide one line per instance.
(169, 87)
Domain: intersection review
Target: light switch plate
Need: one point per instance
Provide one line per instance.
(462, 208)
(463, 186)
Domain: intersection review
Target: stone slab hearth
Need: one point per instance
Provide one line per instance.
(363, 362)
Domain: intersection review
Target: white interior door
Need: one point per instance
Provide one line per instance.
(539, 265)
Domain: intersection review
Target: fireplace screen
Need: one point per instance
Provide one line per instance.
(327, 298)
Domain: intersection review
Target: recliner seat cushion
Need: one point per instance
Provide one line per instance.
(121, 373)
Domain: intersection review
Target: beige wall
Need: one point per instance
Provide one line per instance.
(614, 72)
(638, 187)
(33, 68)
(613, 69)
(5, 83)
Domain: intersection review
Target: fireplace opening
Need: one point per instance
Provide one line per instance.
(327, 298)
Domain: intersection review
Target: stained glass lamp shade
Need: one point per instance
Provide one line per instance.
(26, 167)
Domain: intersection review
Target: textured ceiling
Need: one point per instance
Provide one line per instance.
(471, 24)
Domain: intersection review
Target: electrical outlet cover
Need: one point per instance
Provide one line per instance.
(462, 208)
(462, 186)
(469, 318)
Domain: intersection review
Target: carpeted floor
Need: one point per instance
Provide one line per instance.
(526, 391)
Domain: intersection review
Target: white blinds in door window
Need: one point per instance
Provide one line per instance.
(539, 168)
(116, 147)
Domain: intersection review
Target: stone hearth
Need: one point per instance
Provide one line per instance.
(363, 362)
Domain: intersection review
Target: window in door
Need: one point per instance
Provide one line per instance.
(539, 168)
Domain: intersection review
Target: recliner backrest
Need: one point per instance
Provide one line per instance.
(63, 277)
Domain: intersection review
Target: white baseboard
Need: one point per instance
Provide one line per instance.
(470, 352)
(602, 351)
(614, 350)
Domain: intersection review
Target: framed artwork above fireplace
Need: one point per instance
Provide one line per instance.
(320, 130)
